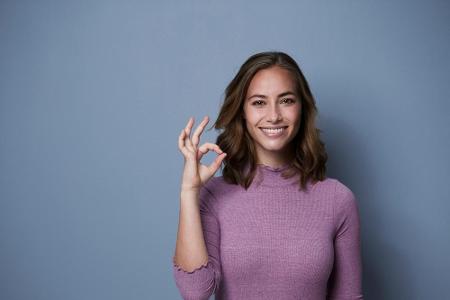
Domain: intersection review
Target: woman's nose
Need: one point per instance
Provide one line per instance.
(274, 114)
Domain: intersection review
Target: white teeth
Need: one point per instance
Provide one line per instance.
(269, 130)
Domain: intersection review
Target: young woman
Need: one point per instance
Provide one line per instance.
(273, 226)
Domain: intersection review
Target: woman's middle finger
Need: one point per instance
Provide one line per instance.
(198, 131)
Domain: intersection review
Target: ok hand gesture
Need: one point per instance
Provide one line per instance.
(195, 174)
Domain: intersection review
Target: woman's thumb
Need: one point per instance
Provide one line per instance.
(219, 159)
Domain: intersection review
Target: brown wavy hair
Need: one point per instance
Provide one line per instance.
(310, 156)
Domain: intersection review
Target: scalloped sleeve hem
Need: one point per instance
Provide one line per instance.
(178, 268)
(198, 284)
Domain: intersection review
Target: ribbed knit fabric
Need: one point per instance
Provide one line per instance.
(276, 242)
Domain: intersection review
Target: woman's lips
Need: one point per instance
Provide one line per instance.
(273, 133)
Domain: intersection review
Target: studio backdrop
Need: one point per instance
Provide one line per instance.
(93, 96)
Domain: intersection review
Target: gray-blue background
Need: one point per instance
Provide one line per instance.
(95, 93)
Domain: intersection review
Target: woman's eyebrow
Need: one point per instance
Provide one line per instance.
(280, 95)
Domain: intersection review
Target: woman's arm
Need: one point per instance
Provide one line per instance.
(345, 281)
(190, 250)
(196, 263)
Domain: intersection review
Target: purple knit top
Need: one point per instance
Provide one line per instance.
(274, 241)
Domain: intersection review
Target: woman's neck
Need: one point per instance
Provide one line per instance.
(276, 161)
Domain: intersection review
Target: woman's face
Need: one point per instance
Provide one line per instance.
(272, 113)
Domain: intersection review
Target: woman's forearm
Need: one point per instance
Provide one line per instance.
(190, 250)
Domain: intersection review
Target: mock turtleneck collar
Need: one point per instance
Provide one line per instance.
(274, 169)
(272, 176)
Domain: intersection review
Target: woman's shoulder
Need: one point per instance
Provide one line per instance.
(213, 182)
(342, 194)
(219, 188)
(335, 184)
(327, 185)
(214, 185)
(217, 184)
(213, 191)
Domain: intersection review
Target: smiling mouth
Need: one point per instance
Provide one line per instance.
(273, 131)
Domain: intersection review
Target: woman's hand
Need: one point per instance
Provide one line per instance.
(195, 174)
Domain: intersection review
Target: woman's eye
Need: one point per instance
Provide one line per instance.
(289, 100)
(260, 102)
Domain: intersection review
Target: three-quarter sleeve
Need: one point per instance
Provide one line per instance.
(345, 281)
(203, 281)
